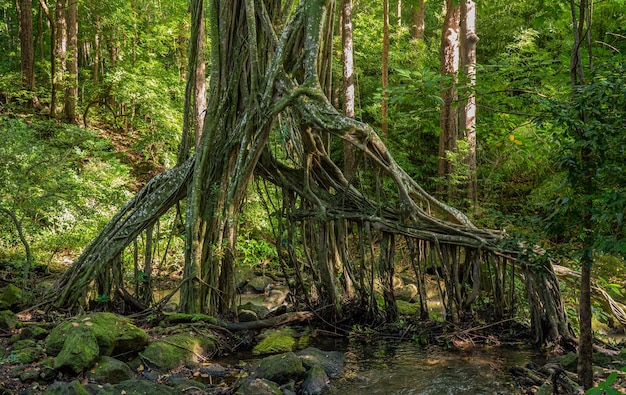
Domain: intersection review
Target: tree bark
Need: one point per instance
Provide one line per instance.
(419, 20)
(71, 84)
(27, 47)
(449, 113)
(385, 70)
(468, 110)
(347, 44)
(195, 91)
(60, 52)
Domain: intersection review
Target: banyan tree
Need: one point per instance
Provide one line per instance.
(269, 117)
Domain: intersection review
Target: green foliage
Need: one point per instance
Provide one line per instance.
(60, 181)
(605, 387)
(592, 149)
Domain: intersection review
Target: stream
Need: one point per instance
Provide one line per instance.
(406, 369)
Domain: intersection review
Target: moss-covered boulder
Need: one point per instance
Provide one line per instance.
(406, 308)
(182, 317)
(280, 368)
(256, 386)
(79, 352)
(25, 351)
(260, 311)
(8, 320)
(10, 297)
(276, 341)
(331, 361)
(114, 334)
(109, 370)
(315, 382)
(407, 293)
(63, 388)
(569, 361)
(258, 285)
(178, 350)
(34, 332)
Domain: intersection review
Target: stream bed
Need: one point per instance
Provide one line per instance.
(407, 369)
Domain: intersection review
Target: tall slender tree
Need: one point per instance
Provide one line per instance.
(419, 19)
(385, 70)
(71, 82)
(348, 86)
(468, 108)
(27, 47)
(449, 112)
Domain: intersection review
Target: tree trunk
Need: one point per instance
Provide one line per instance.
(449, 113)
(96, 52)
(60, 52)
(581, 31)
(347, 44)
(419, 20)
(195, 91)
(27, 48)
(385, 70)
(468, 109)
(399, 13)
(71, 84)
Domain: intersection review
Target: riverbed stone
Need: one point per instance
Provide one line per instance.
(177, 351)
(315, 382)
(109, 370)
(257, 386)
(63, 388)
(276, 341)
(79, 351)
(279, 368)
(10, 297)
(258, 285)
(260, 311)
(331, 361)
(407, 293)
(114, 334)
(137, 387)
(8, 320)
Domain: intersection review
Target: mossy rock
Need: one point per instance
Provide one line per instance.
(178, 350)
(331, 361)
(315, 382)
(407, 293)
(10, 296)
(258, 285)
(25, 353)
(114, 334)
(406, 308)
(181, 317)
(63, 388)
(34, 332)
(8, 320)
(79, 352)
(259, 310)
(252, 386)
(109, 370)
(280, 368)
(276, 341)
(569, 361)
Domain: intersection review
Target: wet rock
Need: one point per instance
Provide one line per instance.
(275, 298)
(79, 352)
(315, 382)
(214, 369)
(8, 320)
(114, 334)
(109, 370)
(178, 350)
(137, 387)
(258, 285)
(260, 310)
(63, 388)
(247, 316)
(407, 293)
(186, 386)
(10, 297)
(276, 341)
(331, 361)
(280, 368)
(252, 386)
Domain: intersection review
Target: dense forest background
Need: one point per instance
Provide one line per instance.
(92, 99)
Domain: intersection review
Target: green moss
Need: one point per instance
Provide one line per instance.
(79, 351)
(406, 308)
(181, 317)
(178, 350)
(276, 342)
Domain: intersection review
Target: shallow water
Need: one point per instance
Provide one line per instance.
(406, 369)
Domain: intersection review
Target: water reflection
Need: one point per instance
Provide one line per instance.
(406, 369)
